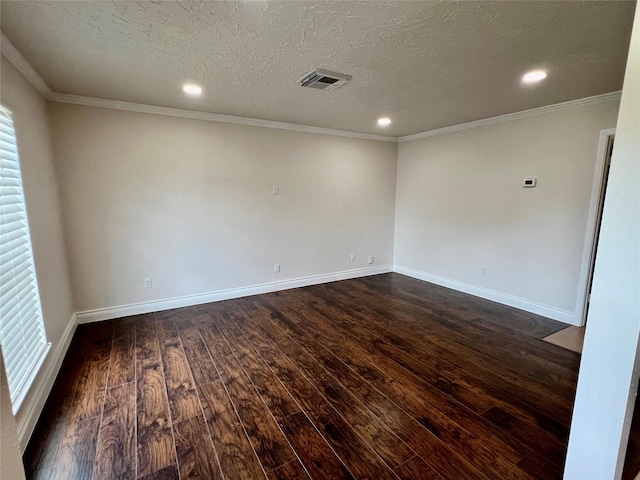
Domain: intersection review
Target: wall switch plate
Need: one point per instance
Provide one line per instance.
(353, 257)
(370, 259)
(529, 182)
(276, 190)
(276, 268)
(148, 283)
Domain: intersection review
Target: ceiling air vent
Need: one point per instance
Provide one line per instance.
(323, 80)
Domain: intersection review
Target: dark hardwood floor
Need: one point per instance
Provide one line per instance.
(383, 377)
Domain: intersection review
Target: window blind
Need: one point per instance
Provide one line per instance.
(22, 335)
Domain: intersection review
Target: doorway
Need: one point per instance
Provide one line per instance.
(601, 178)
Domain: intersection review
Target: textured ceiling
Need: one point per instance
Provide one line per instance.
(424, 64)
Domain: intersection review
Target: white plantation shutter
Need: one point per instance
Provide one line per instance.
(24, 344)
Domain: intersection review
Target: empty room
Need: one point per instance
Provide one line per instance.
(319, 240)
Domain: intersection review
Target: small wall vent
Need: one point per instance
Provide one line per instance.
(323, 80)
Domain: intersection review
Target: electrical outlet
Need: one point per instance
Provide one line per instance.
(353, 257)
(276, 268)
(370, 259)
(148, 283)
(276, 190)
(484, 271)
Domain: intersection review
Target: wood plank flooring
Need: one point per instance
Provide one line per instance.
(383, 377)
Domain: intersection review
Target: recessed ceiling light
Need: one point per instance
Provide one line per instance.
(534, 76)
(384, 121)
(192, 89)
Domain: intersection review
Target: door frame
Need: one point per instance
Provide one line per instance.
(592, 227)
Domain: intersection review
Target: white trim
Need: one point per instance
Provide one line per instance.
(17, 60)
(503, 298)
(590, 235)
(17, 402)
(109, 313)
(254, 122)
(210, 117)
(12, 54)
(35, 401)
(332, 277)
(606, 97)
(15, 57)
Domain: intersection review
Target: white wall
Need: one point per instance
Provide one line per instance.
(608, 378)
(43, 208)
(189, 203)
(461, 206)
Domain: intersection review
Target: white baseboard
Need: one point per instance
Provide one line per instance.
(109, 313)
(554, 313)
(34, 403)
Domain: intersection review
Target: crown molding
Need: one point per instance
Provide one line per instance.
(15, 57)
(606, 97)
(210, 117)
(17, 60)
(12, 54)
